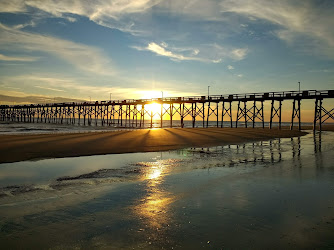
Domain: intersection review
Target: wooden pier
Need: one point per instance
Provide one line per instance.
(136, 113)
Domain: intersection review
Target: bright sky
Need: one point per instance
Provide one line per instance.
(135, 49)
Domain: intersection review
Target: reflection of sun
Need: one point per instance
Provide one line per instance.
(154, 207)
(155, 173)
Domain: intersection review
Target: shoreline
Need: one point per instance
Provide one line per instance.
(15, 148)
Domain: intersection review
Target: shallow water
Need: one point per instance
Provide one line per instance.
(270, 194)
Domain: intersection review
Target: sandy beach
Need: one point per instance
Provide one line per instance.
(15, 148)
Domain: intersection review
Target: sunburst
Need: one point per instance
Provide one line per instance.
(154, 109)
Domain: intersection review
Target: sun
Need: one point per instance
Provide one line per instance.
(154, 109)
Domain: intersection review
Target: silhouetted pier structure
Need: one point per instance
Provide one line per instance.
(132, 113)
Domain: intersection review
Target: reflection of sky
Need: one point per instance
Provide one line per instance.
(47, 170)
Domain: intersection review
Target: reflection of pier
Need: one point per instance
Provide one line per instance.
(247, 153)
(317, 142)
(262, 152)
(134, 113)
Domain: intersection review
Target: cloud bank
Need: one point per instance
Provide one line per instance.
(83, 57)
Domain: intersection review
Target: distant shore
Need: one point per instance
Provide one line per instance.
(15, 148)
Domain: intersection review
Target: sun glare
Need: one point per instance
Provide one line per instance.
(154, 108)
(152, 94)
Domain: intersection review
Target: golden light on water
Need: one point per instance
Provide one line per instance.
(154, 207)
(156, 173)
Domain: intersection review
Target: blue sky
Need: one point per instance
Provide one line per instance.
(136, 49)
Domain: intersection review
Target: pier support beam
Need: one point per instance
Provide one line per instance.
(295, 113)
(226, 111)
(258, 113)
(250, 113)
(241, 113)
(321, 114)
(276, 111)
(213, 111)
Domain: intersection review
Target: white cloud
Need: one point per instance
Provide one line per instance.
(230, 67)
(95, 10)
(21, 26)
(239, 54)
(163, 44)
(207, 53)
(195, 52)
(161, 50)
(155, 48)
(86, 58)
(222, 52)
(17, 59)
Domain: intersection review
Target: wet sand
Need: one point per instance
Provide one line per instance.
(15, 148)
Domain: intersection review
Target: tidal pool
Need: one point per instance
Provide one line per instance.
(270, 194)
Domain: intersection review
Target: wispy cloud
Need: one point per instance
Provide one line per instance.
(31, 23)
(17, 59)
(230, 67)
(161, 50)
(295, 21)
(116, 14)
(83, 57)
(321, 70)
(39, 84)
(95, 10)
(239, 54)
(52, 89)
(12, 6)
(307, 21)
(21, 98)
(207, 53)
(309, 18)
